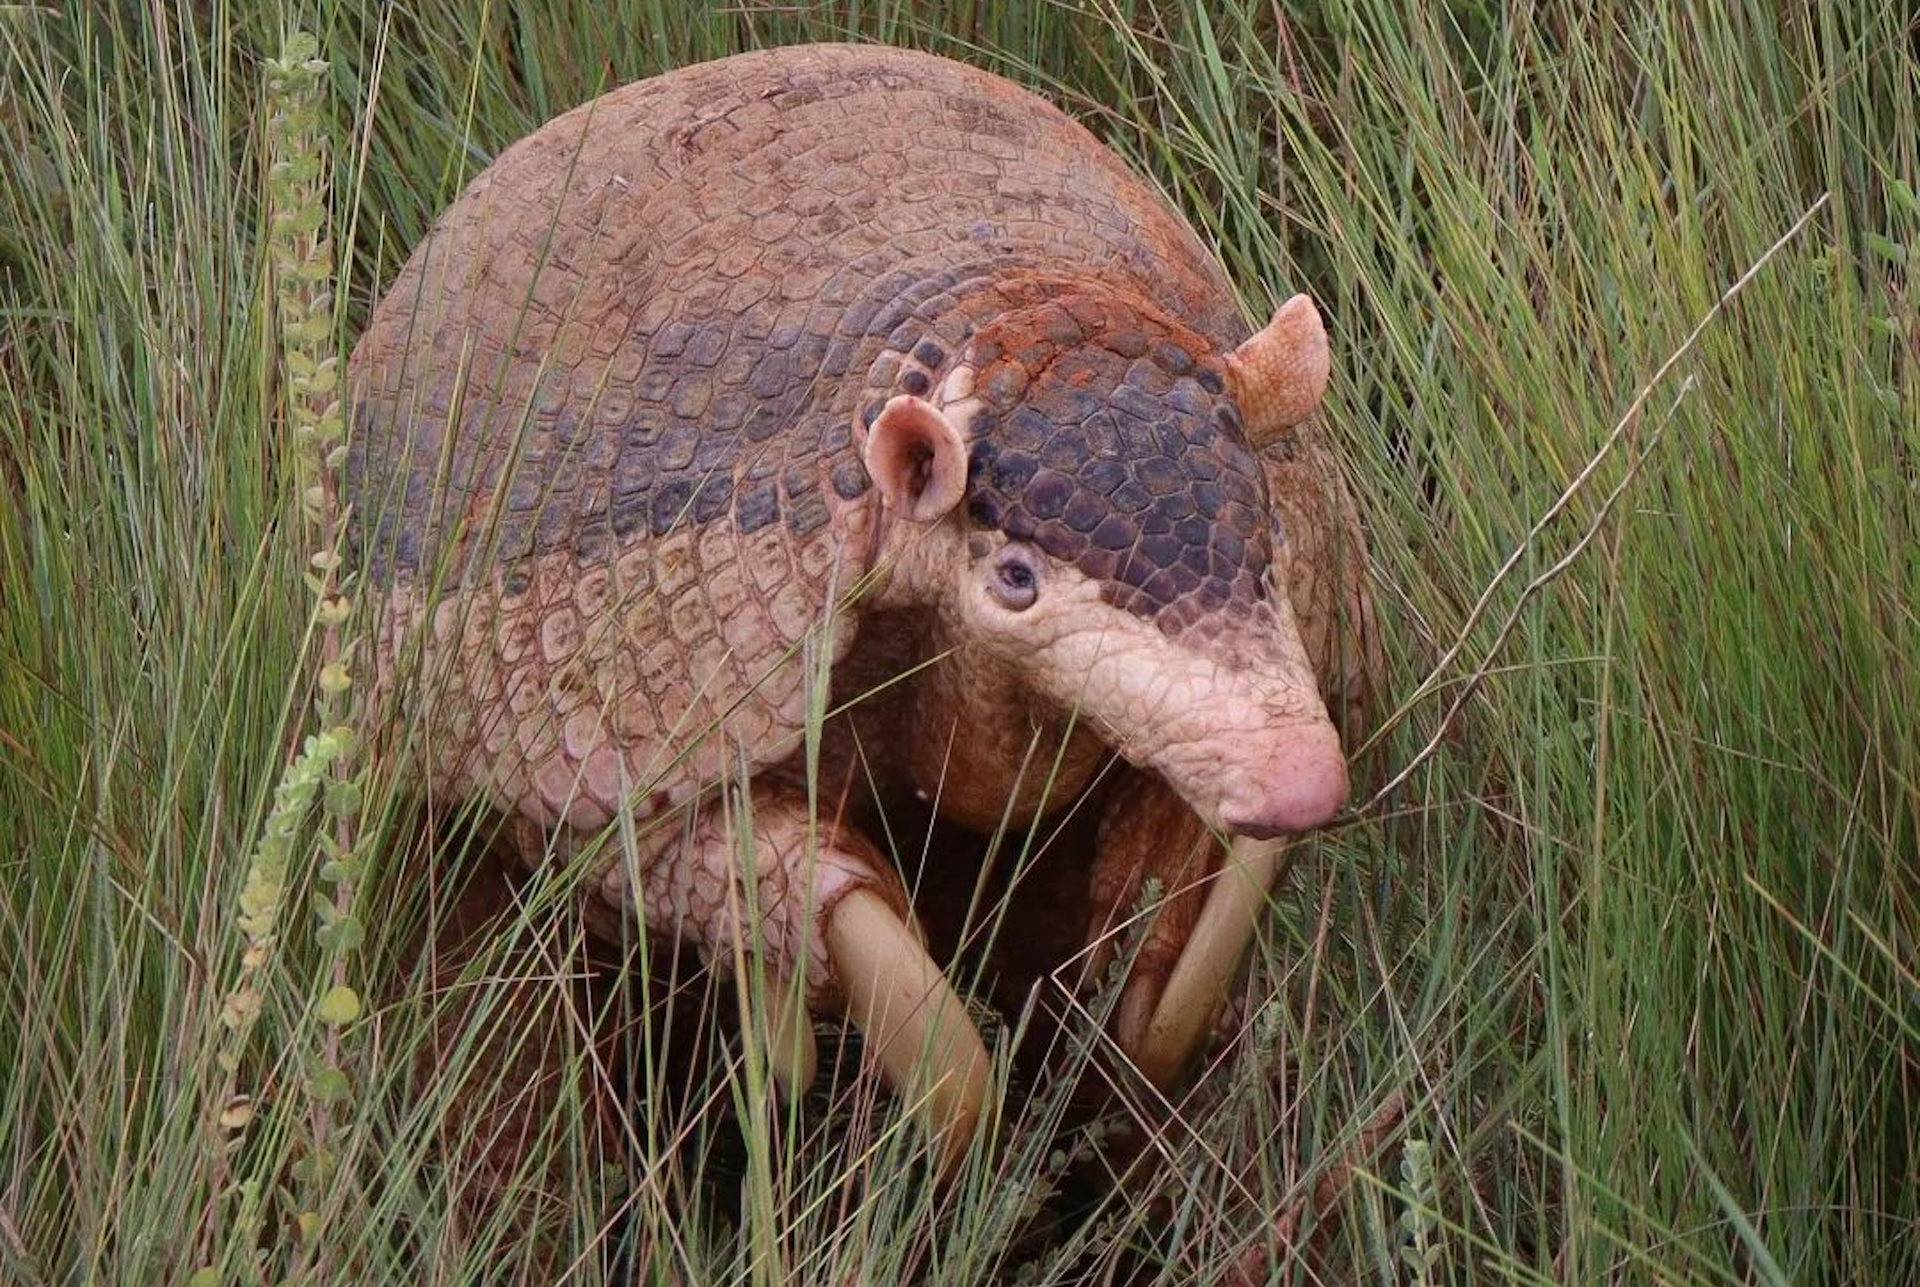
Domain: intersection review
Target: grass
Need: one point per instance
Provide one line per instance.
(1632, 947)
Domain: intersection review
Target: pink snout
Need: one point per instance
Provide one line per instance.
(1299, 789)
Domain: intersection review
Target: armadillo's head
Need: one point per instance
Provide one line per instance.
(1092, 531)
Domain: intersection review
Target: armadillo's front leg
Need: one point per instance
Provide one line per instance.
(823, 902)
(1198, 931)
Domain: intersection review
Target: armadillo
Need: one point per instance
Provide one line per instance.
(812, 369)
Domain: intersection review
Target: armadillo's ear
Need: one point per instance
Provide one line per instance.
(917, 458)
(1280, 375)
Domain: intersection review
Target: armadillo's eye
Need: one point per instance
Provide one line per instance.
(1014, 582)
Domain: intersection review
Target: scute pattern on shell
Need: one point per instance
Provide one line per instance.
(667, 307)
(612, 406)
(1108, 440)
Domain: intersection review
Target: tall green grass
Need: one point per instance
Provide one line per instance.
(1632, 947)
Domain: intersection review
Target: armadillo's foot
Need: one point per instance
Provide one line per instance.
(1192, 947)
(1178, 1021)
(826, 908)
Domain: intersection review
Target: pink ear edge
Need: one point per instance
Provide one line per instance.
(1280, 374)
(917, 458)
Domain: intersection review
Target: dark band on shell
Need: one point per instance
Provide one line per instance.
(1108, 440)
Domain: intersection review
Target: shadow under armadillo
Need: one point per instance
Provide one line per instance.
(632, 1044)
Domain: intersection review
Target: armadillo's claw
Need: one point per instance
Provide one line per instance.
(1163, 1033)
(912, 1021)
(824, 901)
(792, 1056)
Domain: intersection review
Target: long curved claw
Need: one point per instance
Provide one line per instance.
(792, 1056)
(911, 1018)
(1163, 1034)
